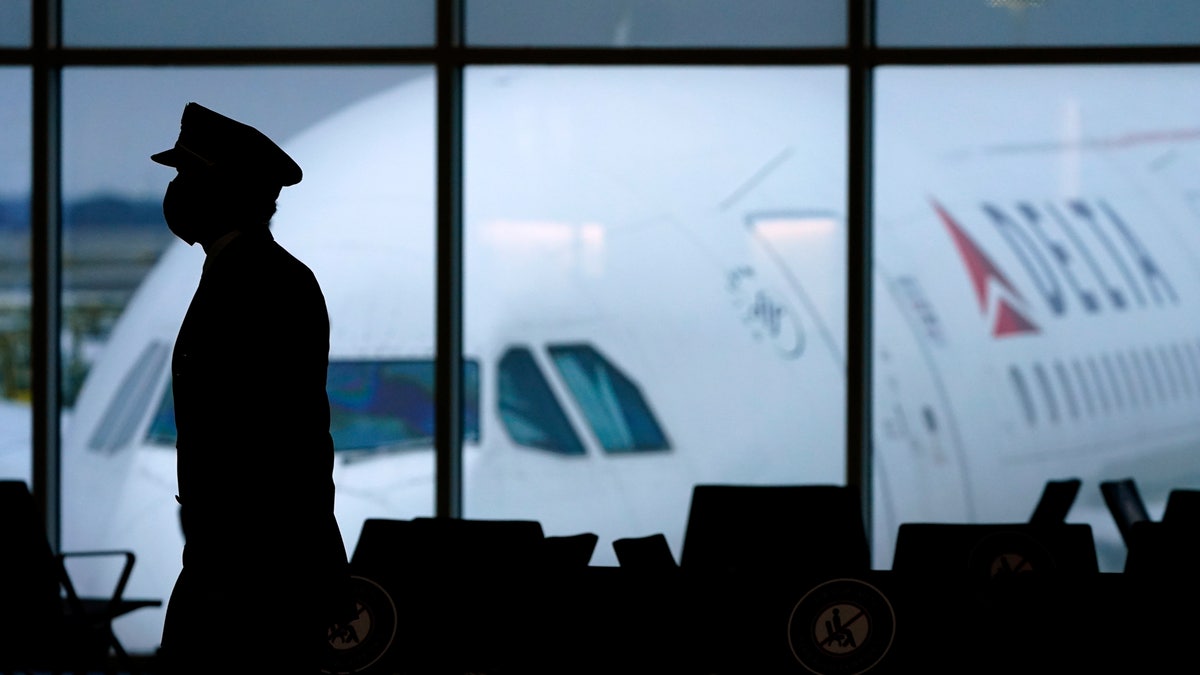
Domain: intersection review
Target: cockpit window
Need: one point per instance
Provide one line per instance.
(612, 403)
(162, 427)
(373, 405)
(528, 409)
(389, 404)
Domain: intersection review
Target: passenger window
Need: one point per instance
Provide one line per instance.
(162, 427)
(131, 400)
(528, 409)
(612, 403)
(1018, 381)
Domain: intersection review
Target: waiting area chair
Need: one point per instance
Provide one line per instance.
(775, 529)
(44, 624)
(1124, 502)
(449, 546)
(1058, 496)
(1165, 547)
(648, 553)
(984, 551)
(1183, 508)
(569, 551)
(482, 581)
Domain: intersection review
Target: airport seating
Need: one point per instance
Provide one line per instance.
(1124, 502)
(571, 551)
(44, 624)
(442, 546)
(481, 581)
(1183, 508)
(982, 551)
(996, 578)
(648, 553)
(1166, 548)
(1057, 498)
(793, 530)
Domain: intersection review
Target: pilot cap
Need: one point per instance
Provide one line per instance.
(212, 140)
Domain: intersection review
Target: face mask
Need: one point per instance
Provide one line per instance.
(180, 213)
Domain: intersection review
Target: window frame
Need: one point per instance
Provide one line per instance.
(450, 55)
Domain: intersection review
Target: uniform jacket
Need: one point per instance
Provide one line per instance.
(255, 458)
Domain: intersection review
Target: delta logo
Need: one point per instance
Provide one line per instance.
(1077, 256)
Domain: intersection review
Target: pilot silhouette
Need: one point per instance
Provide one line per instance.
(264, 568)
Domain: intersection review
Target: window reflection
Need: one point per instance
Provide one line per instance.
(1027, 23)
(248, 23)
(657, 23)
(14, 23)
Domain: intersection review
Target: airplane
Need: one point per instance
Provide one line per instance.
(655, 298)
(1060, 339)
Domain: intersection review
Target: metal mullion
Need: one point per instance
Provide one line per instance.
(241, 56)
(1041, 56)
(449, 276)
(652, 56)
(45, 227)
(450, 57)
(460, 54)
(860, 38)
(877, 56)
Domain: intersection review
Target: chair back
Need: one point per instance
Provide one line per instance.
(1124, 502)
(570, 551)
(1183, 508)
(775, 529)
(447, 545)
(30, 604)
(1057, 498)
(473, 579)
(986, 550)
(1167, 548)
(651, 552)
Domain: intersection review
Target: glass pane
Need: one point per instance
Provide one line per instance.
(1032, 23)
(15, 418)
(657, 23)
(688, 225)
(248, 23)
(364, 138)
(15, 22)
(1037, 302)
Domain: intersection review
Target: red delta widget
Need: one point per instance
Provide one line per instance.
(1079, 255)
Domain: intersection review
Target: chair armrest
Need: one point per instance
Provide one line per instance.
(118, 591)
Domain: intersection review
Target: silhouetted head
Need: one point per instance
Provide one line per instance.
(229, 176)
